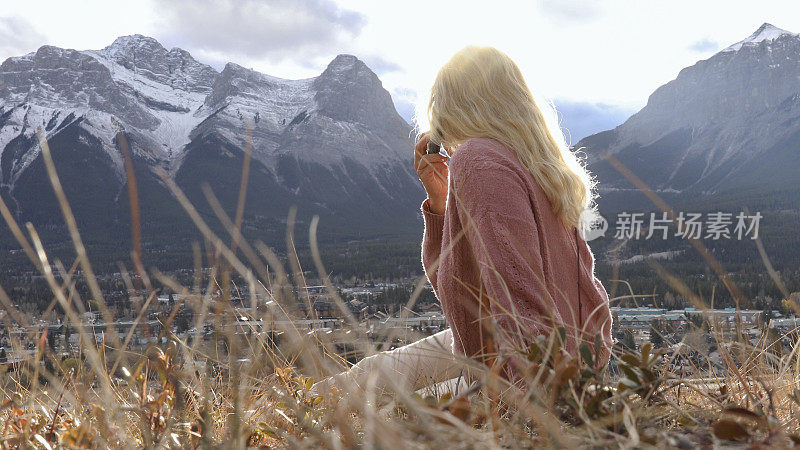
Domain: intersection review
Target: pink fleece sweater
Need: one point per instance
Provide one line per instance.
(507, 267)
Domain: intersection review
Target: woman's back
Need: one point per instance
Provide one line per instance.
(507, 259)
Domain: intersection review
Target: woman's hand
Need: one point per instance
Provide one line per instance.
(432, 171)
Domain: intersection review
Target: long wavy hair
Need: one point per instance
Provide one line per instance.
(480, 92)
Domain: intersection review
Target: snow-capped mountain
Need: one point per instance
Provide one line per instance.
(766, 32)
(729, 124)
(333, 145)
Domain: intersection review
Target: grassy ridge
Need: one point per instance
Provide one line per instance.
(243, 387)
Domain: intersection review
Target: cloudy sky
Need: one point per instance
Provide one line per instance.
(597, 60)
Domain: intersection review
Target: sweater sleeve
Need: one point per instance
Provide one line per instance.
(431, 242)
(501, 229)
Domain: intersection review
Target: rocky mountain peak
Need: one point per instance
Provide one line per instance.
(347, 68)
(349, 90)
(48, 77)
(344, 61)
(233, 70)
(146, 56)
(135, 43)
(766, 32)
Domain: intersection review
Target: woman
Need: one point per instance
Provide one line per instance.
(501, 245)
(503, 216)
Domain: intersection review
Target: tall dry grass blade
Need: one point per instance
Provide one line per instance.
(75, 236)
(133, 200)
(771, 270)
(731, 286)
(92, 353)
(17, 232)
(294, 264)
(215, 241)
(240, 201)
(235, 232)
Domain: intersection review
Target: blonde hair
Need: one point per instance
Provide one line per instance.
(480, 92)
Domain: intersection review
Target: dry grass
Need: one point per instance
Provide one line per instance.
(178, 393)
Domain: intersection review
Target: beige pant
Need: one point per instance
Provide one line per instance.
(428, 362)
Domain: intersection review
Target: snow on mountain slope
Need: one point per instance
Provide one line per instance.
(333, 145)
(274, 100)
(766, 32)
(342, 113)
(96, 87)
(170, 85)
(243, 99)
(164, 98)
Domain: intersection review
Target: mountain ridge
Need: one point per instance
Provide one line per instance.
(333, 144)
(714, 127)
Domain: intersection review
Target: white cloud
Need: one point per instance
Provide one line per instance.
(571, 12)
(379, 64)
(704, 45)
(273, 30)
(18, 36)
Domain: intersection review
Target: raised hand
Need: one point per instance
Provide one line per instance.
(432, 171)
